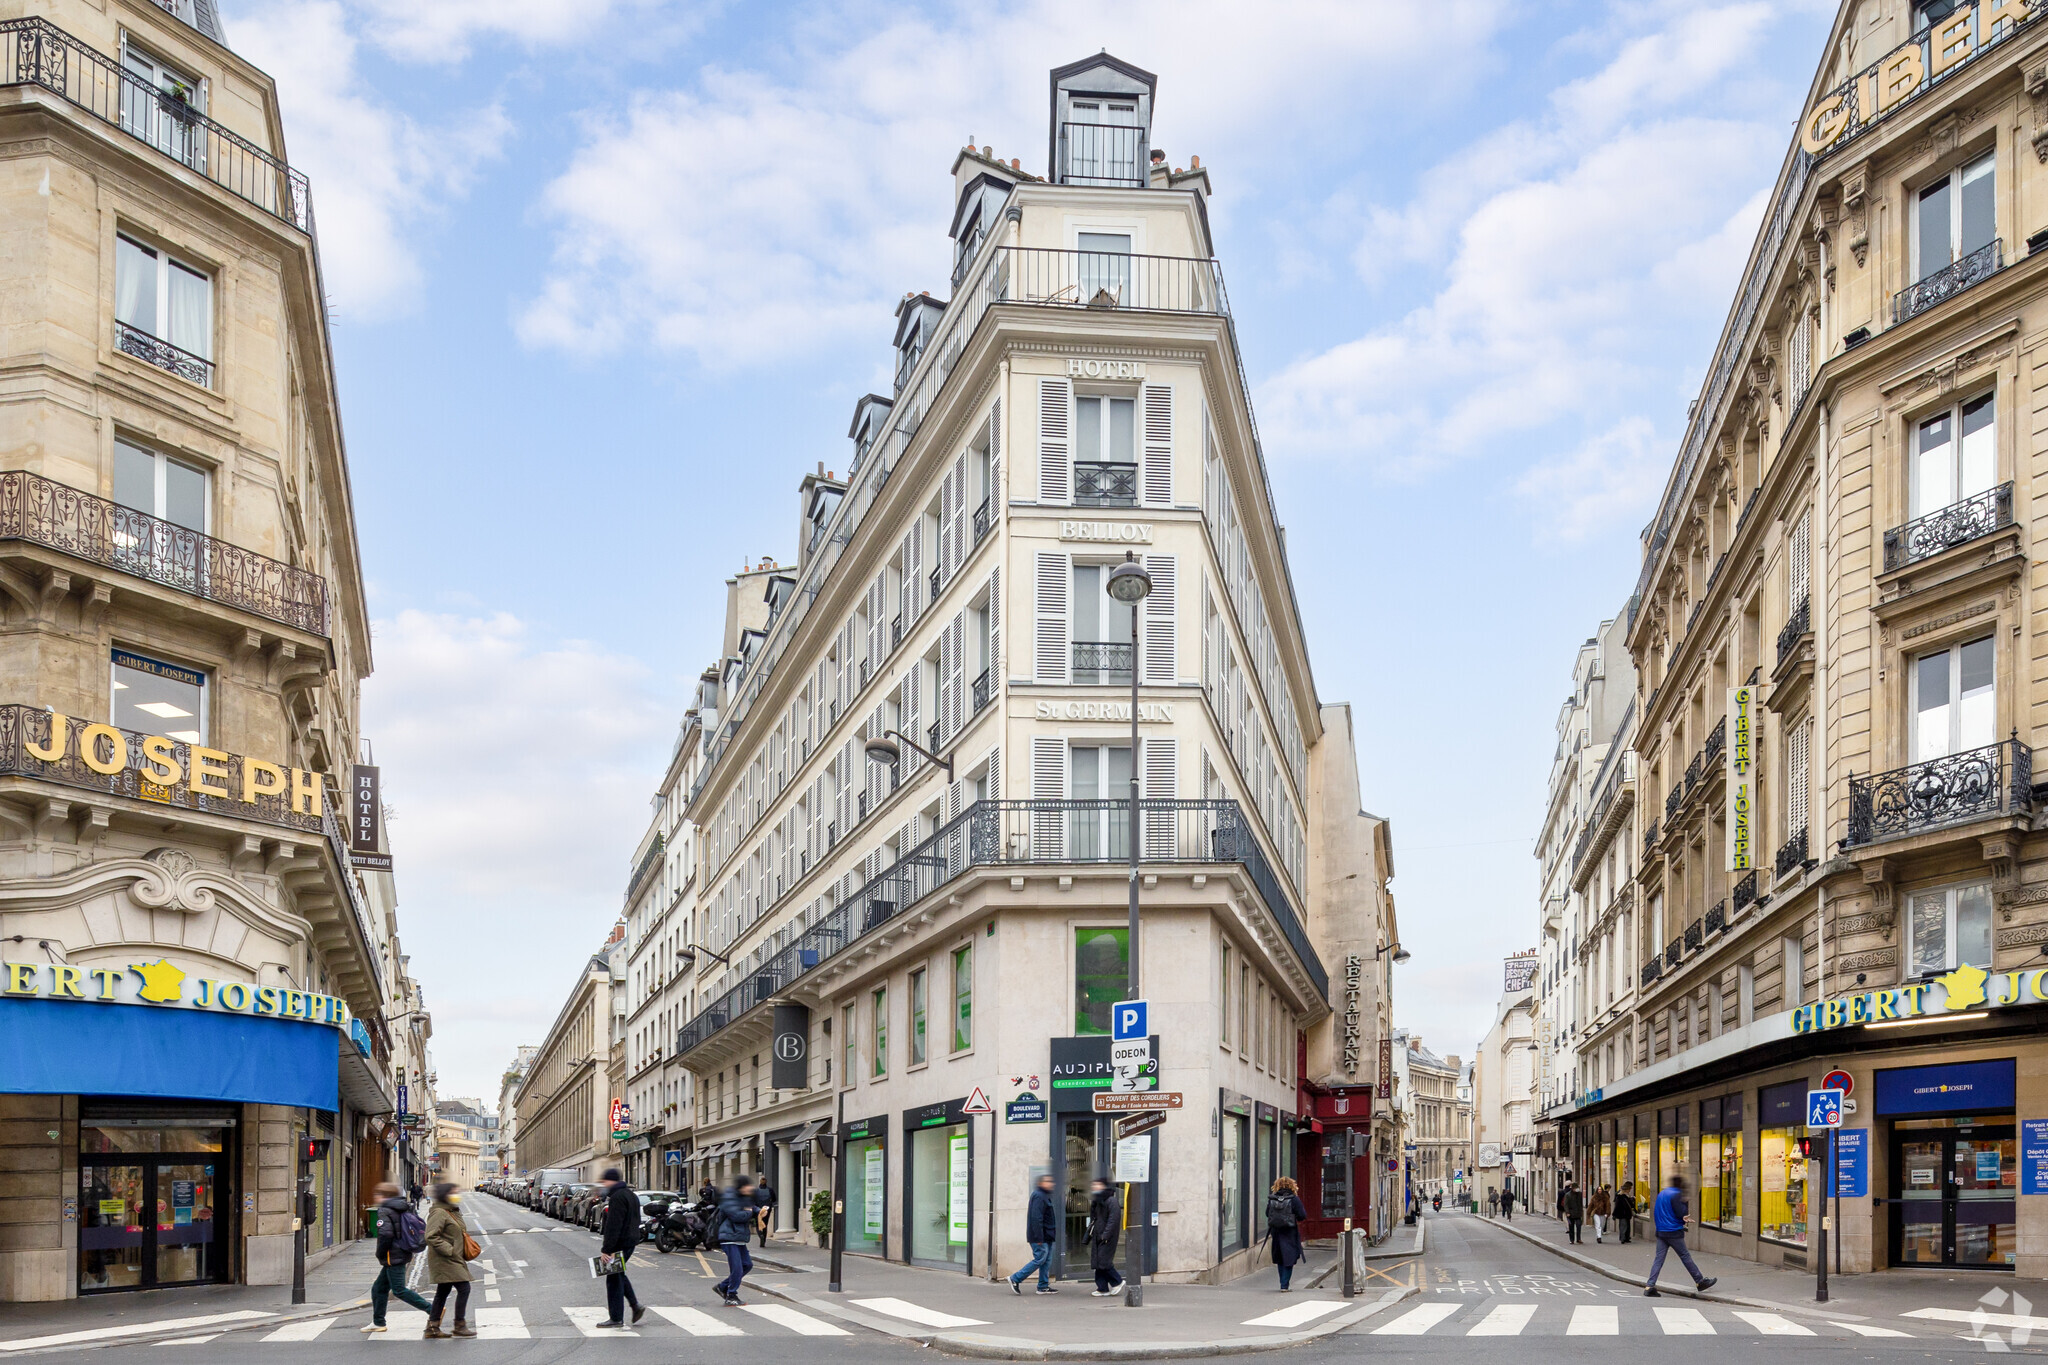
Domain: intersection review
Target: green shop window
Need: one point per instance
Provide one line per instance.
(1102, 961)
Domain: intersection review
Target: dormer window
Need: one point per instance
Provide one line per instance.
(1101, 123)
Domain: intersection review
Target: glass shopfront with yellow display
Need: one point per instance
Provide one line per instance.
(1781, 1169)
(155, 1195)
(1720, 1201)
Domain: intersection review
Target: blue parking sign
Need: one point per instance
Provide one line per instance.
(1823, 1109)
(1127, 1021)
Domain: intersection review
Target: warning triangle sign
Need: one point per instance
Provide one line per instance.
(977, 1103)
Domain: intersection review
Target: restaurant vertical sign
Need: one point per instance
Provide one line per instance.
(366, 820)
(1741, 779)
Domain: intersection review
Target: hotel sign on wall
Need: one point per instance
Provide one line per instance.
(1905, 71)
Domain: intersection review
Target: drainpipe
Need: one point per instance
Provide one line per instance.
(1817, 600)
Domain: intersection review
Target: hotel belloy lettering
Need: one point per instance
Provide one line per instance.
(1905, 71)
(161, 984)
(104, 749)
(1741, 774)
(1966, 989)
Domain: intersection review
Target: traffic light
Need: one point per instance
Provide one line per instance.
(1810, 1147)
(315, 1150)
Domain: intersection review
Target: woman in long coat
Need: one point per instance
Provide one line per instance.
(1285, 1214)
(1105, 1223)
(447, 1269)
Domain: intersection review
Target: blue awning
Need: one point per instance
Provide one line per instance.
(56, 1047)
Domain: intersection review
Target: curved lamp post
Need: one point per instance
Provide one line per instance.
(1129, 584)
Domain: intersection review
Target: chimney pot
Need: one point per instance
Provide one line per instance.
(1194, 163)
(1157, 156)
(1015, 164)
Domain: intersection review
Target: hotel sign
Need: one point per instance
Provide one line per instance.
(1905, 70)
(1741, 779)
(161, 984)
(1121, 532)
(1967, 989)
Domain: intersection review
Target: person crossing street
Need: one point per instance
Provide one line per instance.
(447, 1263)
(738, 1215)
(1672, 1210)
(401, 1235)
(1041, 1230)
(621, 1233)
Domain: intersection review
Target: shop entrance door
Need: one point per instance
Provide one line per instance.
(1953, 1195)
(148, 1224)
(1083, 1157)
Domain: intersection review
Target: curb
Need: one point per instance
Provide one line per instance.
(1673, 1291)
(269, 1322)
(976, 1345)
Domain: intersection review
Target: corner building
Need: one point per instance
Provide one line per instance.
(901, 936)
(1840, 662)
(194, 986)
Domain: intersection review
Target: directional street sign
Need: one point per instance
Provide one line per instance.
(1133, 1124)
(1127, 1020)
(1824, 1109)
(1109, 1103)
(1130, 1060)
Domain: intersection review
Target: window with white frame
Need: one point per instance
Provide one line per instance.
(1955, 454)
(163, 309)
(160, 485)
(1954, 704)
(163, 105)
(1953, 217)
(1101, 629)
(1105, 451)
(1101, 773)
(1949, 927)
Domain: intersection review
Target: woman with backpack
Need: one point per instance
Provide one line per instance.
(448, 1262)
(1284, 1215)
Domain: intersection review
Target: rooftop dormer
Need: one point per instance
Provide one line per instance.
(1101, 123)
(917, 321)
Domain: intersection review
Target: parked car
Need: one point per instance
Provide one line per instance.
(569, 1206)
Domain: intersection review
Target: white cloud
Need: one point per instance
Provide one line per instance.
(443, 30)
(747, 215)
(1606, 483)
(519, 772)
(377, 174)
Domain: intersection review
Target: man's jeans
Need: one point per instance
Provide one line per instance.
(390, 1282)
(738, 1261)
(1041, 1261)
(1672, 1241)
(618, 1290)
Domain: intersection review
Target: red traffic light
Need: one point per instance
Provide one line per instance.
(1810, 1146)
(316, 1150)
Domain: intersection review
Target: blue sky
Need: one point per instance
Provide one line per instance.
(608, 276)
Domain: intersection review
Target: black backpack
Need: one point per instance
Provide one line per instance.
(1280, 1213)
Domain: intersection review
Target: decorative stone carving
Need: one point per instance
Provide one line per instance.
(1877, 875)
(1866, 924)
(1863, 962)
(2024, 936)
(2012, 898)
(2037, 91)
(1855, 201)
(173, 886)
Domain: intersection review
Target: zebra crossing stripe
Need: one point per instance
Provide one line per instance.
(1683, 1322)
(1865, 1330)
(501, 1324)
(699, 1323)
(910, 1312)
(1772, 1325)
(1295, 1314)
(1416, 1321)
(300, 1331)
(588, 1316)
(1594, 1320)
(803, 1324)
(1506, 1320)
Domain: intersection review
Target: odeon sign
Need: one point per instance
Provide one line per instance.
(1898, 76)
(1964, 989)
(162, 984)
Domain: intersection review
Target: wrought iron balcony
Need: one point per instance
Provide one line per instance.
(1745, 893)
(1100, 279)
(154, 350)
(1956, 524)
(38, 53)
(1798, 625)
(1673, 951)
(1099, 483)
(931, 736)
(1717, 918)
(937, 581)
(984, 687)
(1949, 281)
(60, 517)
(896, 630)
(1792, 855)
(1649, 838)
(1994, 780)
(1653, 969)
(1692, 774)
(1717, 740)
(1672, 799)
(1695, 936)
(982, 521)
(1017, 833)
(1107, 154)
(1102, 661)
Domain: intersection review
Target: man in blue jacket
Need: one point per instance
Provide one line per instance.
(1672, 1210)
(738, 1215)
(1041, 1229)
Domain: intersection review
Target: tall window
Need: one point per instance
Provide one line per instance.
(158, 698)
(963, 998)
(159, 104)
(1795, 972)
(163, 309)
(1953, 701)
(1102, 629)
(1101, 975)
(1101, 775)
(879, 1007)
(1955, 455)
(160, 486)
(1950, 927)
(917, 1025)
(849, 1068)
(1105, 444)
(1953, 218)
(1223, 994)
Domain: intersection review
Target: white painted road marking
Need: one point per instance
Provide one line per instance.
(1771, 1325)
(1683, 1322)
(801, 1323)
(300, 1331)
(137, 1329)
(1296, 1314)
(1506, 1320)
(587, 1317)
(1416, 1321)
(910, 1312)
(1863, 1331)
(1594, 1320)
(501, 1324)
(699, 1323)
(1976, 1315)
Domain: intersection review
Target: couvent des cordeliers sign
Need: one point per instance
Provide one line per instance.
(1907, 69)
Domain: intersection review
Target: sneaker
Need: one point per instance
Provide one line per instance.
(613, 1322)
(1017, 1287)
(735, 1301)
(375, 1327)
(1708, 1283)
(1103, 1293)
(638, 1313)
(1047, 1289)
(1651, 1293)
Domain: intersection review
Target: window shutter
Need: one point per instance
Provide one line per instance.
(1055, 459)
(1162, 655)
(995, 773)
(912, 724)
(913, 571)
(1051, 655)
(995, 463)
(1796, 752)
(1048, 788)
(877, 784)
(1161, 778)
(949, 552)
(952, 644)
(961, 529)
(1800, 561)
(995, 630)
(877, 630)
(1158, 456)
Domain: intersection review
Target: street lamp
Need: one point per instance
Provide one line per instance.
(886, 751)
(1130, 584)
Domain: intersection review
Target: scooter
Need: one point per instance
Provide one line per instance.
(1437, 1203)
(685, 1228)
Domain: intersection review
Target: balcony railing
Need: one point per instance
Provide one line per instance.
(896, 630)
(1791, 855)
(936, 581)
(1695, 936)
(1745, 893)
(1099, 483)
(1102, 661)
(982, 521)
(1949, 281)
(1717, 740)
(36, 52)
(1108, 154)
(1692, 774)
(984, 687)
(1717, 918)
(154, 350)
(60, 517)
(1649, 838)
(1653, 969)
(1797, 626)
(1672, 799)
(1994, 780)
(1953, 525)
(1015, 833)
(1098, 279)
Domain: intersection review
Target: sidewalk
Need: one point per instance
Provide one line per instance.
(959, 1315)
(1938, 1294)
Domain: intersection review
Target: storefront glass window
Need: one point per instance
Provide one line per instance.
(1731, 1182)
(1101, 975)
(1645, 1178)
(1231, 1177)
(879, 1016)
(866, 1194)
(1603, 1173)
(939, 1201)
(1781, 1208)
(1710, 1179)
(917, 1023)
(963, 999)
(1264, 1179)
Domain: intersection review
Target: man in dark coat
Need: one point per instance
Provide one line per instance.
(621, 1232)
(1573, 1205)
(1105, 1225)
(764, 1196)
(1507, 1204)
(392, 1259)
(1285, 1214)
(1625, 1211)
(738, 1216)
(1041, 1230)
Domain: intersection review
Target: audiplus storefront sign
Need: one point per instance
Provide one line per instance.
(159, 983)
(1966, 991)
(1905, 71)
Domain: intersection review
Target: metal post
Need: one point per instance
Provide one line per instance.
(1134, 1296)
(839, 1182)
(301, 1197)
(1820, 1288)
(1350, 1285)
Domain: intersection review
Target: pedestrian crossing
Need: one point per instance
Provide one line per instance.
(1514, 1318)
(506, 1323)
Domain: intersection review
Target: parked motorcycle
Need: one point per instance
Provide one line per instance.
(685, 1227)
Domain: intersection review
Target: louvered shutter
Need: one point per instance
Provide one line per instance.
(877, 783)
(962, 529)
(1800, 561)
(1048, 790)
(913, 572)
(949, 551)
(911, 723)
(995, 773)
(1162, 612)
(1055, 458)
(995, 463)
(1796, 754)
(878, 620)
(1161, 778)
(995, 630)
(1051, 655)
(953, 848)
(949, 658)
(1158, 442)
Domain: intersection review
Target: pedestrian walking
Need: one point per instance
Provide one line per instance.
(1671, 1212)
(1041, 1230)
(738, 1216)
(620, 1230)
(1105, 1225)
(401, 1235)
(1601, 1207)
(764, 1195)
(1625, 1213)
(1573, 1205)
(1285, 1214)
(447, 1263)
(1507, 1204)
(416, 1194)
(1492, 1202)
